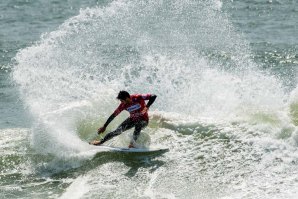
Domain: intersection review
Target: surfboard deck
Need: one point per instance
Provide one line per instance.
(132, 150)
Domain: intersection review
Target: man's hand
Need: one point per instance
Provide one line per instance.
(101, 130)
(145, 110)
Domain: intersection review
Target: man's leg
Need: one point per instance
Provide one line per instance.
(138, 127)
(127, 124)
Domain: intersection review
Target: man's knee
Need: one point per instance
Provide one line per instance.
(138, 127)
(141, 124)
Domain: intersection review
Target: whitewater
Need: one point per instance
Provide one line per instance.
(229, 122)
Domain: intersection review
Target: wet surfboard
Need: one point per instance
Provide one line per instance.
(133, 150)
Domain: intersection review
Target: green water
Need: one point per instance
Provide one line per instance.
(225, 77)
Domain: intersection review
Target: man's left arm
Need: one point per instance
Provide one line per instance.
(151, 100)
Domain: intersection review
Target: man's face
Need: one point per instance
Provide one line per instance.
(126, 101)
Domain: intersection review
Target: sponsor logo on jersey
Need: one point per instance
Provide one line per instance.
(133, 107)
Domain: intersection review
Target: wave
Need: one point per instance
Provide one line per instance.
(220, 113)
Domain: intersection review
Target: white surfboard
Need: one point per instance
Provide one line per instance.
(133, 150)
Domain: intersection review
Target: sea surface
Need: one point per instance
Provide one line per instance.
(225, 73)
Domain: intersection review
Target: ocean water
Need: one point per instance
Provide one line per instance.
(225, 73)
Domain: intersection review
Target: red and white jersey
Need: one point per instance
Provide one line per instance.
(135, 107)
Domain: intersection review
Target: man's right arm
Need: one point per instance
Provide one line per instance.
(109, 120)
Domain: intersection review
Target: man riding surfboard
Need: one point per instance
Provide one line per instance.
(138, 110)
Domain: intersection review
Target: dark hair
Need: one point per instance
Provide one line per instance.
(122, 95)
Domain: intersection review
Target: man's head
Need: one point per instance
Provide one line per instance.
(123, 96)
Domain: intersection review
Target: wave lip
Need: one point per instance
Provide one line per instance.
(235, 115)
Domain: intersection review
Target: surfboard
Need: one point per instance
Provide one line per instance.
(133, 150)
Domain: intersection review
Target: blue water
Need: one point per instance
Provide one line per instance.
(225, 73)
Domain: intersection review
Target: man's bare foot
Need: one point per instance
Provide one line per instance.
(95, 142)
(131, 146)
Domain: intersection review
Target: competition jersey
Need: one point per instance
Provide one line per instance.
(135, 107)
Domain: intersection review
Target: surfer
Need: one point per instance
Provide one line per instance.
(138, 110)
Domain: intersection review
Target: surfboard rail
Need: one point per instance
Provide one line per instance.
(132, 150)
